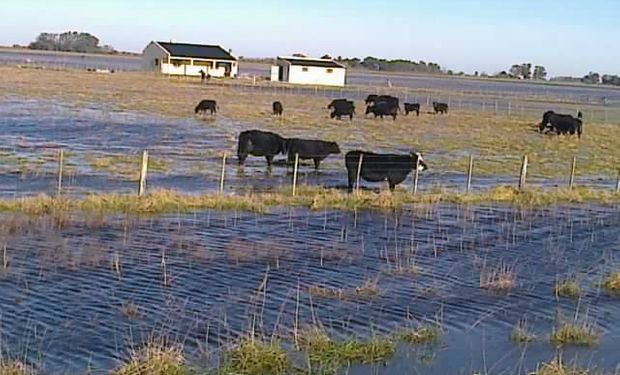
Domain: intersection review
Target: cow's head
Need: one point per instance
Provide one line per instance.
(333, 148)
(545, 120)
(369, 109)
(418, 159)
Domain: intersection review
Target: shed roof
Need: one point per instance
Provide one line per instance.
(306, 61)
(199, 51)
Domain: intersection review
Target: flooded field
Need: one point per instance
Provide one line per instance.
(103, 148)
(80, 292)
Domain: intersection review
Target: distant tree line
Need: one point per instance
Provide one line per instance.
(384, 65)
(524, 71)
(70, 41)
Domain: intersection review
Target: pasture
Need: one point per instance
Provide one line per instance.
(256, 280)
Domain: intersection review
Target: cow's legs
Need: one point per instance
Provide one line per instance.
(269, 160)
(317, 161)
(392, 185)
(241, 158)
(352, 175)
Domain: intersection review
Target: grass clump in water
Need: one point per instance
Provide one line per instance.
(612, 283)
(567, 289)
(521, 333)
(14, 368)
(501, 279)
(575, 333)
(155, 359)
(424, 334)
(558, 368)
(325, 352)
(255, 357)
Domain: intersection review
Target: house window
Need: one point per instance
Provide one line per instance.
(304, 69)
(156, 62)
(178, 62)
(330, 70)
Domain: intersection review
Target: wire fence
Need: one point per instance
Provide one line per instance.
(141, 172)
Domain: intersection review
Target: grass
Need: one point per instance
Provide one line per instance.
(326, 353)
(126, 166)
(521, 333)
(575, 333)
(255, 357)
(567, 289)
(369, 289)
(314, 198)
(501, 279)
(154, 359)
(14, 368)
(558, 368)
(424, 334)
(612, 283)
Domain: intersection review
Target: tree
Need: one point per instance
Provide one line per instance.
(522, 71)
(326, 56)
(591, 77)
(70, 41)
(540, 72)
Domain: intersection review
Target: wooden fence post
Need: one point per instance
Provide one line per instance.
(359, 172)
(571, 182)
(416, 176)
(523, 175)
(509, 108)
(223, 172)
(295, 169)
(60, 165)
(470, 169)
(618, 183)
(143, 171)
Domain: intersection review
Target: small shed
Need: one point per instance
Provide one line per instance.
(308, 71)
(187, 59)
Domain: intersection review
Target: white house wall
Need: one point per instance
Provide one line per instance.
(194, 70)
(151, 53)
(316, 76)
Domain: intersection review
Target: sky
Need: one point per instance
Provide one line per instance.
(568, 37)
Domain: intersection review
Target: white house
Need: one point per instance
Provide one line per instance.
(308, 71)
(189, 59)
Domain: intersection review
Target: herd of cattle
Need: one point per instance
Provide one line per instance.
(373, 167)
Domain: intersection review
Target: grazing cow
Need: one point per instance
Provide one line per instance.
(277, 109)
(342, 107)
(412, 107)
(440, 108)
(259, 143)
(374, 99)
(206, 105)
(310, 149)
(380, 167)
(383, 109)
(562, 124)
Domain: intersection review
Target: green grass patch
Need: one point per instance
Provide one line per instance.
(255, 357)
(424, 334)
(558, 368)
(126, 166)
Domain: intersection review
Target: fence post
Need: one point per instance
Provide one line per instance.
(509, 108)
(618, 183)
(359, 172)
(223, 172)
(496, 107)
(523, 175)
(571, 182)
(295, 168)
(143, 171)
(60, 165)
(470, 169)
(416, 176)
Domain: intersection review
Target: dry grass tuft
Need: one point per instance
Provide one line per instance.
(424, 334)
(567, 289)
(501, 279)
(521, 333)
(155, 359)
(612, 283)
(15, 368)
(558, 368)
(580, 333)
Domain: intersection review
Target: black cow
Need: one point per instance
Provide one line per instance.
(374, 99)
(412, 107)
(206, 105)
(310, 149)
(277, 109)
(259, 143)
(562, 124)
(342, 107)
(383, 109)
(440, 107)
(380, 167)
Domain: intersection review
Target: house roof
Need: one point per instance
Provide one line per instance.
(306, 61)
(198, 51)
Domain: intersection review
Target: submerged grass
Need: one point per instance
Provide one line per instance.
(558, 368)
(580, 333)
(521, 333)
(424, 334)
(501, 279)
(316, 198)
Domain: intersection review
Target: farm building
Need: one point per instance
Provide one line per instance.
(308, 71)
(189, 59)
